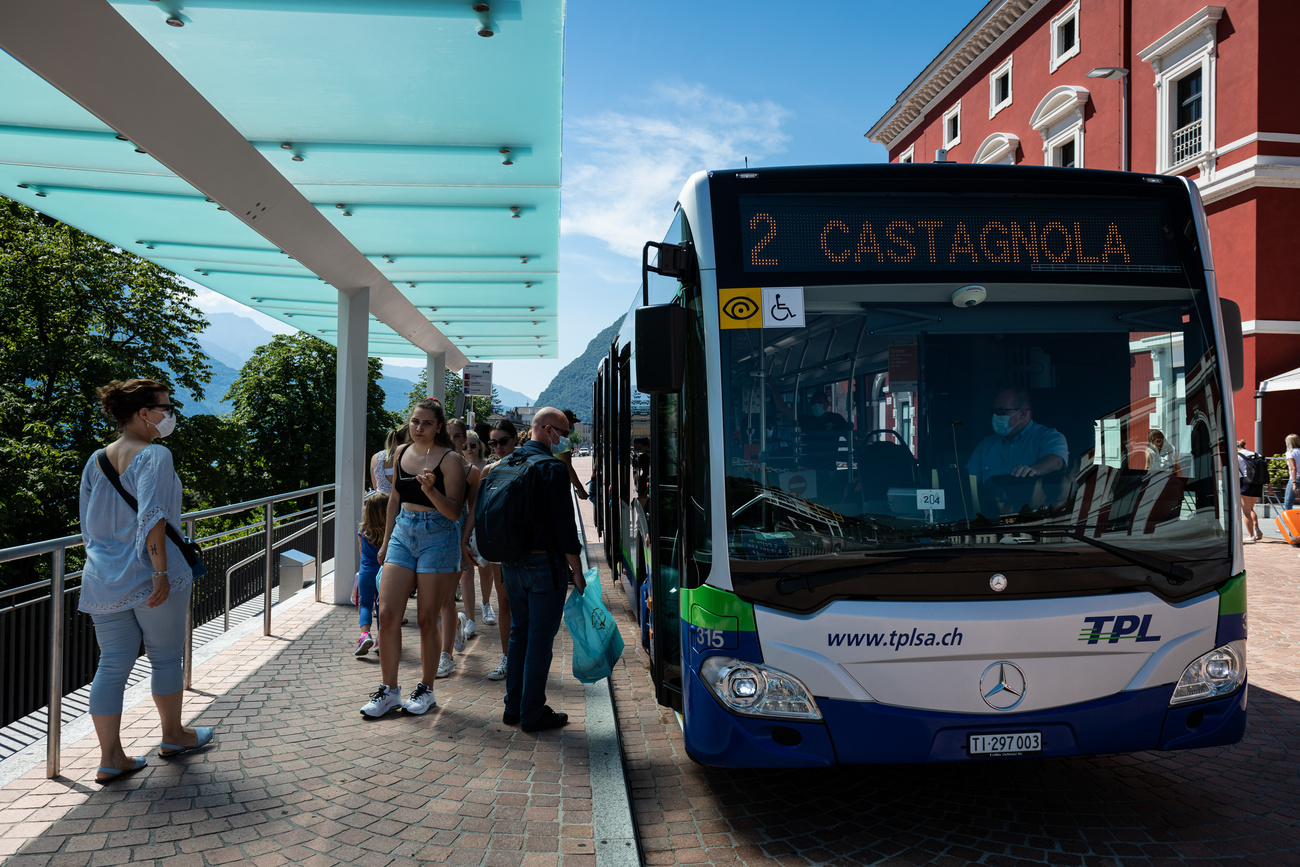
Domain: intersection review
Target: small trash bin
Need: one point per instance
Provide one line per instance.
(296, 569)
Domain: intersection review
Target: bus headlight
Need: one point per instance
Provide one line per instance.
(757, 690)
(1216, 673)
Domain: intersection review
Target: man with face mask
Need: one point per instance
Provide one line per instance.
(536, 584)
(1018, 446)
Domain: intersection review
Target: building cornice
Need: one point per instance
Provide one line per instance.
(1182, 34)
(994, 25)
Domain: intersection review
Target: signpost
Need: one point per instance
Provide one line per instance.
(478, 379)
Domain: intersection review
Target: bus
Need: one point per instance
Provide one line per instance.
(933, 462)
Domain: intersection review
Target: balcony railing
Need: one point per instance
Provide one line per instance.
(1187, 142)
(49, 647)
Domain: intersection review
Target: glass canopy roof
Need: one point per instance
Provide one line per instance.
(412, 146)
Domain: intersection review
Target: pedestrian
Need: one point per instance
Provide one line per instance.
(470, 557)
(421, 548)
(566, 455)
(1252, 486)
(457, 627)
(502, 443)
(537, 581)
(381, 463)
(136, 583)
(1292, 461)
(370, 535)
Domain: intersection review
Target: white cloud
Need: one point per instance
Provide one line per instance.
(624, 170)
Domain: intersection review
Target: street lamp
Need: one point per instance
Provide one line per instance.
(1120, 74)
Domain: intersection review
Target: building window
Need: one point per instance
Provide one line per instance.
(1059, 120)
(1000, 88)
(952, 126)
(1063, 154)
(1065, 35)
(1187, 131)
(906, 156)
(1184, 64)
(1000, 147)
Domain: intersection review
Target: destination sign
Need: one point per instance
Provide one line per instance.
(786, 234)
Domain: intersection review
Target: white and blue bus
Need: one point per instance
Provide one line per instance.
(912, 463)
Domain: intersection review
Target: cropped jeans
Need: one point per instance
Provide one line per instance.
(536, 606)
(119, 634)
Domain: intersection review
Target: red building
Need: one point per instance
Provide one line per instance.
(1174, 87)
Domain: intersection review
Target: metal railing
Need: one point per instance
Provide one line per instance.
(12, 600)
(1187, 142)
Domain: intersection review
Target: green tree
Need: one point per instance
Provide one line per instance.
(77, 313)
(284, 401)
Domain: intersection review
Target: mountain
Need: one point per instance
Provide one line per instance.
(223, 376)
(571, 387)
(231, 339)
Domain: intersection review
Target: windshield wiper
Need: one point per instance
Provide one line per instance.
(1175, 573)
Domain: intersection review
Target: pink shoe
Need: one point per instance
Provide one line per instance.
(364, 643)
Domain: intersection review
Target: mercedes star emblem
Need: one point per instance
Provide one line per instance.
(998, 582)
(1002, 686)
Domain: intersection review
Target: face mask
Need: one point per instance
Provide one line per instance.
(167, 425)
(818, 410)
(1001, 425)
(560, 448)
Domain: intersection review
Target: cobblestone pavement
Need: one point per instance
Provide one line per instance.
(1238, 805)
(299, 777)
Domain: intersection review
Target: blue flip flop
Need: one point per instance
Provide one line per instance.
(205, 738)
(119, 773)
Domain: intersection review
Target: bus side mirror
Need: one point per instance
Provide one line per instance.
(660, 348)
(1234, 349)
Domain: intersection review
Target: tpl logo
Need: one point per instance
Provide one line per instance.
(1129, 626)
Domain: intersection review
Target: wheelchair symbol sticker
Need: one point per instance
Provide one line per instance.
(783, 307)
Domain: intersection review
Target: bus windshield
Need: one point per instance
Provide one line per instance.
(1077, 427)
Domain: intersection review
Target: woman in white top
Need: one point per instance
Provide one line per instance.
(136, 582)
(1292, 460)
(381, 463)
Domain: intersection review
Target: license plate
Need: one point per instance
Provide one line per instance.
(1010, 744)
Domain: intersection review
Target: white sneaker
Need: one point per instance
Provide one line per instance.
(498, 673)
(469, 629)
(489, 616)
(382, 701)
(446, 665)
(458, 644)
(420, 701)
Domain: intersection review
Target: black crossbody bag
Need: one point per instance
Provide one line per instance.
(189, 549)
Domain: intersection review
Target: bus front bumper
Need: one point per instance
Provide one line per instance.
(867, 733)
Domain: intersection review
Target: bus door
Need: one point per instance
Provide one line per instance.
(667, 556)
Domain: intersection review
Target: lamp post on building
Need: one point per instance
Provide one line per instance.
(1120, 74)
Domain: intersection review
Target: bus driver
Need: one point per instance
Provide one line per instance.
(1018, 446)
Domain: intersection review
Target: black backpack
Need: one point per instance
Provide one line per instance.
(505, 508)
(1256, 469)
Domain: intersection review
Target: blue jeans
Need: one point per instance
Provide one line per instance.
(119, 634)
(1288, 500)
(536, 606)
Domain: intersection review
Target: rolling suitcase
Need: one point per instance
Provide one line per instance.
(1288, 522)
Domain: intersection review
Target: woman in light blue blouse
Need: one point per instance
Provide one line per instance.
(136, 582)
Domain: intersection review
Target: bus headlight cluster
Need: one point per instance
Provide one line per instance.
(757, 690)
(1216, 673)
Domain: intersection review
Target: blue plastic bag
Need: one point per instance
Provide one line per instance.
(597, 643)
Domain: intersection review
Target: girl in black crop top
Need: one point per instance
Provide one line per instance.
(421, 549)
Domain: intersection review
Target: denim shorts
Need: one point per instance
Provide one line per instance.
(424, 542)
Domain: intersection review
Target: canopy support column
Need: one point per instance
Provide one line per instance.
(350, 449)
(1259, 422)
(437, 375)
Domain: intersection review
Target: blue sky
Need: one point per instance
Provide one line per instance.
(655, 92)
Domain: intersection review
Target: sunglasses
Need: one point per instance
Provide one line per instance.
(498, 442)
(167, 408)
(469, 446)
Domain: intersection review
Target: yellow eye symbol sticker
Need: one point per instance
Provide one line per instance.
(740, 308)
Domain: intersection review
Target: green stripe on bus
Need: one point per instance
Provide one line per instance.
(711, 608)
(1232, 596)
